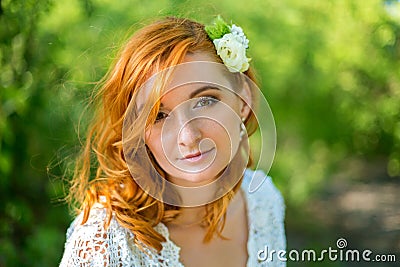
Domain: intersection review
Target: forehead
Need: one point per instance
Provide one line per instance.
(197, 70)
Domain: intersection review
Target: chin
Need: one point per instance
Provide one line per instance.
(195, 179)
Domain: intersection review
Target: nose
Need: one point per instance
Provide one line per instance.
(189, 134)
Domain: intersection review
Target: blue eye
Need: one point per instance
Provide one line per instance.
(206, 101)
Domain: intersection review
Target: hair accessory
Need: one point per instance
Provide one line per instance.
(230, 43)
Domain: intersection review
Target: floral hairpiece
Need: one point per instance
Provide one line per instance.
(230, 43)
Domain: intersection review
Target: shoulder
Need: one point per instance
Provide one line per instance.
(94, 243)
(95, 223)
(260, 187)
(264, 201)
(266, 214)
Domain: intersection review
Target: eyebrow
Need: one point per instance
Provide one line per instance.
(199, 91)
(202, 89)
(192, 94)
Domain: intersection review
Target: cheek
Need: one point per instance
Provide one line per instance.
(153, 142)
(224, 123)
(221, 132)
(159, 146)
(224, 131)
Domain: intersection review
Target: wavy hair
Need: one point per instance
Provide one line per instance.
(101, 172)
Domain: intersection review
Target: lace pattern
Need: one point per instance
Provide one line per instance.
(91, 244)
(265, 213)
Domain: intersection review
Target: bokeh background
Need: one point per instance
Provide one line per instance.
(329, 69)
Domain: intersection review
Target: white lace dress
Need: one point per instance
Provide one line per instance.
(92, 245)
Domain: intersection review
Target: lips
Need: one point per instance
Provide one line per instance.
(193, 157)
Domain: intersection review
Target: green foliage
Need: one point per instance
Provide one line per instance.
(332, 78)
(329, 69)
(28, 121)
(218, 29)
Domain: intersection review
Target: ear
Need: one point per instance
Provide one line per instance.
(246, 100)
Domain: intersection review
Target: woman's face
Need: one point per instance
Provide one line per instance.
(197, 129)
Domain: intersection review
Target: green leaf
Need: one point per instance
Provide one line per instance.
(218, 29)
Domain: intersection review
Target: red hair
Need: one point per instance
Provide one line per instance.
(101, 169)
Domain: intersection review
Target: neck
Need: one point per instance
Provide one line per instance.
(190, 217)
(193, 202)
(197, 196)
(193, 216)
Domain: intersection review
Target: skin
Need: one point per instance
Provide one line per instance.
(197, 129)
(218, 252)
(196, 134)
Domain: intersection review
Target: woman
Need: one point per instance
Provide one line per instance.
(163, 178)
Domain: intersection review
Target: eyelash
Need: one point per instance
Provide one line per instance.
(210, 100)
(164, 115)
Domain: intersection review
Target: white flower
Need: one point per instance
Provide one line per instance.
(232, 50)
(239, 34)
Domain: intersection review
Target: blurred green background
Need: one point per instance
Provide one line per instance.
(329, 69)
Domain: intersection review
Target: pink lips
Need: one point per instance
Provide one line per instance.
(195, 156)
